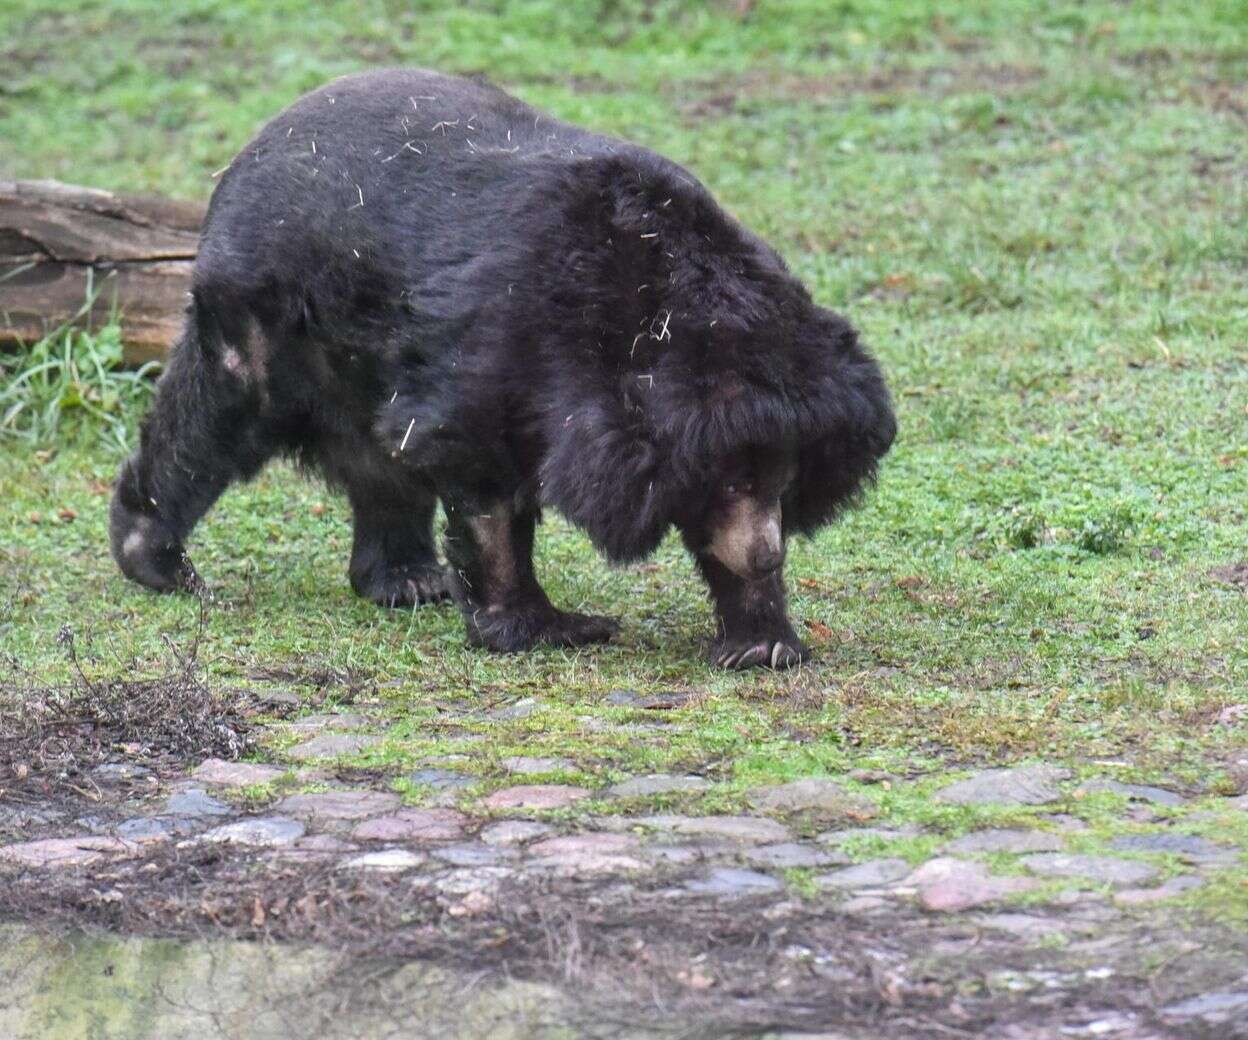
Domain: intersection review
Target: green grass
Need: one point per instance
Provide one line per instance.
(71, 384)
(1036, 215)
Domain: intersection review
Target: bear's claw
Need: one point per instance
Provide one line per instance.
(764, 653)
(408, 587)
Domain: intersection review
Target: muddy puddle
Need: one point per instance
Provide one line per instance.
(99, 987)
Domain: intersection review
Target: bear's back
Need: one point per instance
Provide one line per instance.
(357, 180)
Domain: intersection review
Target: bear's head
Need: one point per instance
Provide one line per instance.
(697, 384)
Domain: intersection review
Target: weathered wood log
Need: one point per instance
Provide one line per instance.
(74, 254)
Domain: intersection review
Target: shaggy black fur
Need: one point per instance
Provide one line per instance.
(427, 289)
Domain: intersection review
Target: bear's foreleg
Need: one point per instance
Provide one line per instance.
(751, 620)
(492, 579)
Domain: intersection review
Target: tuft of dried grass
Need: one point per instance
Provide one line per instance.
(58, 733)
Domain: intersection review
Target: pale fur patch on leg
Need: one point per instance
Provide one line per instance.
(747, 524)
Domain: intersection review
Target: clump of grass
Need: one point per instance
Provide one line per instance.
(1107, 533)
(1100, 533)
(1024, 529)
(70, 383)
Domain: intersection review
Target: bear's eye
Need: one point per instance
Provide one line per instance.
(739, 487)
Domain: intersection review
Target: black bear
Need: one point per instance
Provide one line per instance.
(430, 291)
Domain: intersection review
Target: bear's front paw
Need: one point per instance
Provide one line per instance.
(760, 652)
(512, 631)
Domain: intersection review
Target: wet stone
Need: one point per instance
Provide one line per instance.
(147, 829)
(731, 828)
(442, 779)
(665, 701)
(659, 783)
(64, 852)
(788, 855)
(260, 832)
(1014, 841)
(324, 843)
(732, 881)
(682, 855)
(235, 774)
(386, 861)
(535, 796)
(576, 844)
(521, 709)
(871, 874)
(514, 832)
(473, 855)
(812, 795)
(1135, 792)
(1023, 785)
(338, 805)
(1185, 846)
(314, 847)
(1103, 869)
(332, 745)
(1213, 1008)
(413, 825)
(317, 723)
(281, 699)
(195, 802)
(1168, 889)
(524, 764)
(948, 885)
(587, 854)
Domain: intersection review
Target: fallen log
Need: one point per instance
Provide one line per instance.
(71, 254)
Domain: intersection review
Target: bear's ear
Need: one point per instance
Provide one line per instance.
(604, 473)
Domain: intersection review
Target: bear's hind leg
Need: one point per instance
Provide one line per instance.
(504, 607)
